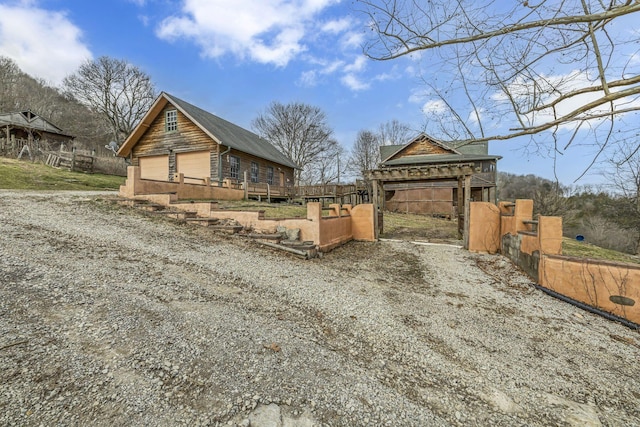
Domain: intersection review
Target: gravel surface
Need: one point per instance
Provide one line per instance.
(109, 316)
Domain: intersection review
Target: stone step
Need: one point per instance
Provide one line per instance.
(177, 214)
(229, 229)
(275, 237)
(296, 244)
(306, 253)
(150, 207)
(205, 222)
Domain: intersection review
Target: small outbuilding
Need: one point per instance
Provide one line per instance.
(430, 177)
(21, 128)
(177, 138)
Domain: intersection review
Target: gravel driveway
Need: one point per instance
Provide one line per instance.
(109, 316)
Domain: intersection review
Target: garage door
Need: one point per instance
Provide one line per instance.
(155, 167)
(195, 165)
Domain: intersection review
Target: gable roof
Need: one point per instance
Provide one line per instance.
(390, 155)
(30, 120)
(221, 131)
(422, 137)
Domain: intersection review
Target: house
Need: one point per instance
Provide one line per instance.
(427, 176)
(177, 140)
(21, 128)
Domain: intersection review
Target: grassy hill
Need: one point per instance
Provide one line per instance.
(25, 175)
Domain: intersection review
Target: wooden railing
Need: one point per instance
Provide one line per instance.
(264, 189)
(329, 190)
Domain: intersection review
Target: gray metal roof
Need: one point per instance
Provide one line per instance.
(387, 150)
(30, 120)
(230, 134)
(439, 158)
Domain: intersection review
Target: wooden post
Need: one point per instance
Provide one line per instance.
(246, 185)
(467, 209)
(374, 199)
(460, 208)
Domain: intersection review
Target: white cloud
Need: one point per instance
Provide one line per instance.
(43, 43)
(352, 81)
(434, 107)
(270, 32)
(336, 26)
(308, 79)
(352, 40)
(358, 64)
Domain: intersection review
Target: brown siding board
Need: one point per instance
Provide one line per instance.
(189, 137)
(245, 165)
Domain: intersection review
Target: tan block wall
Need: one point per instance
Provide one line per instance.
(484, 229)
(529, 244)
(135, 186)
(550, 235)
(362, 225)
(522, 212)
(593, 282)
(608, 286)
(327, 232)
(334, 231)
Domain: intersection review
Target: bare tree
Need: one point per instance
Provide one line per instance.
(120, 92)
(365, 154)
(624, 175)
(300, 131)
(328, 167)
(393, 133)
(543, 69)
(9, 76)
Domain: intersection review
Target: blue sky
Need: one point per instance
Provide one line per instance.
(233, 58)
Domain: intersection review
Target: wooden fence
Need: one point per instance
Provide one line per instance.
(72, 161)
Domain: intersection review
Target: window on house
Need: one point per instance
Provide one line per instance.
(270, 175)
(255, 171)
(171, 120)
(234, 166)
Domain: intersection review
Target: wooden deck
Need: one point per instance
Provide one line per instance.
(338, 193)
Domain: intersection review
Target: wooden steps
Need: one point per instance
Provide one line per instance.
(205, 222)
(177, 214)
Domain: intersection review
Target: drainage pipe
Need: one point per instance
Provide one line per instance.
(220, 165)
(605, 314)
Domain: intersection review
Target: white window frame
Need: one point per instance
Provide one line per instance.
(234, 170)
(171, 120)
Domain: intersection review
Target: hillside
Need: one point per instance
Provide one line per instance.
(24, 175)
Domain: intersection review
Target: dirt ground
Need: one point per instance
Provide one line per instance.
(109, 316)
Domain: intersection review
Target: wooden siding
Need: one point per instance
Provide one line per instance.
(424, 201)
(245, 165)
(190, 138)
(422, 146)
(156, 140)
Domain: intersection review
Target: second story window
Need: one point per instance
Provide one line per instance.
(234, 167)
(255, 172)
(171, 121)
(270, 175)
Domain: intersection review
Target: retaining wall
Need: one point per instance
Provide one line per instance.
(536, 247)
(136, 186)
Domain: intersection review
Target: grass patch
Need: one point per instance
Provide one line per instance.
(25, 175)
(571, 247)
(402, 225)
(271, 210)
